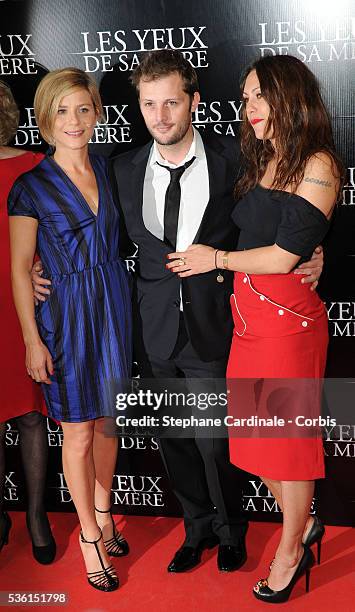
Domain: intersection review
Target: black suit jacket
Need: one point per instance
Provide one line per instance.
(157, 298)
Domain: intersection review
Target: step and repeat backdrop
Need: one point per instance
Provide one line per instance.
(107, 38)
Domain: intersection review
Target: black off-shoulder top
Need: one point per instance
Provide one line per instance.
(266, 217)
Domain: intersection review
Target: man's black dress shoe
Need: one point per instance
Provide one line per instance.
(231, 558)
(188, 557)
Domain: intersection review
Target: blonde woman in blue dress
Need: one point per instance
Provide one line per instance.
(78, 342)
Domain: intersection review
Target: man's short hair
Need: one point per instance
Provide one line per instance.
(163, 62)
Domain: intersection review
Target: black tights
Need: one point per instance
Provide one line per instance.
(34, 454)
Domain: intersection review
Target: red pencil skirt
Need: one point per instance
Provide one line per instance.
(281, 332)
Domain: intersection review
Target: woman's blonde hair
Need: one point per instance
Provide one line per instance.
(9, 114)
(53, 87)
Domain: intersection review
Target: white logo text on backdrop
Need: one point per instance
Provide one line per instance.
(103, 50)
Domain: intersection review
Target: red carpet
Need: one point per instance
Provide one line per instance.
(146, 585)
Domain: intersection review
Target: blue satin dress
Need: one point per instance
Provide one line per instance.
(86, 322)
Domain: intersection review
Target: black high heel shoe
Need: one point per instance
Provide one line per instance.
(43, 554)
(263, 592)
(116, 546)
(5, 535)
(105, 579)
(315, 536)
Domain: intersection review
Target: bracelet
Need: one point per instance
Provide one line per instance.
(215, 258)
(225, 260)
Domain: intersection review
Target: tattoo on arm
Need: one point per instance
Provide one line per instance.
(309, 179)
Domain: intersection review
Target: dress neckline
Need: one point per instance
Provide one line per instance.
(68, 180)
(271, 189)
(295, 195)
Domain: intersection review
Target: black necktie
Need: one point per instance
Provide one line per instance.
(172, 203)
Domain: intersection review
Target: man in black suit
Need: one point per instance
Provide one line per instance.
(186, 327)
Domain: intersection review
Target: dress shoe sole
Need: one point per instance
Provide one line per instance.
(187, 568)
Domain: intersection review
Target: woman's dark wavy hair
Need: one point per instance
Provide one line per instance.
(298, 121)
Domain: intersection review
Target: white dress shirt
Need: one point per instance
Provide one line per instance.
(195, 193)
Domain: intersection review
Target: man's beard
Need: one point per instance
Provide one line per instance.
(175, 138)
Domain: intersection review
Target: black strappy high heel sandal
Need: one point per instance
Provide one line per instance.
(263, 592)
(105, 579)
(116, 546)
(315, 536)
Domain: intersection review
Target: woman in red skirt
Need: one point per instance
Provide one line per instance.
(287, 193)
